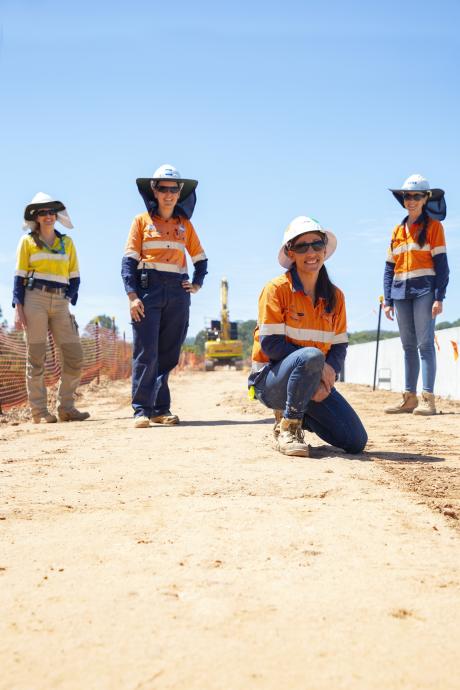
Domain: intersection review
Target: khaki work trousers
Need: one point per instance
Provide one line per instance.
(48, 311)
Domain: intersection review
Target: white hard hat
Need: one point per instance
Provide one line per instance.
(146, 185)
(299, 226)
(42, 200)
(418, 183)
(166, 172)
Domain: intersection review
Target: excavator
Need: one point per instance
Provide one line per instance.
(222, 345)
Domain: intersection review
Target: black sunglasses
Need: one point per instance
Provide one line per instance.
(164, 189)
(416, 197)
(302, 247)
(47, 212)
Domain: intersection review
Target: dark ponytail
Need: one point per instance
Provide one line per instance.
(425, 221)
(326, 289)
(35, 234)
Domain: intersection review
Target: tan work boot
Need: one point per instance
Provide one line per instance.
(427, 405)
(276, 427)
(72, 415)
(408, 404)
(47, 416)
(168, 419)
(290, 439)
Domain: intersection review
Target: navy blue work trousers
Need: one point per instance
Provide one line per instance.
(157, 341)
(289, 385)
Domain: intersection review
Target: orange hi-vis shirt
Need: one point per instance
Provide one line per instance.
(160, 244)
(287, 312)
(412, 270)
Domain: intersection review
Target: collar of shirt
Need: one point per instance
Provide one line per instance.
(417, 222)
(297, 284)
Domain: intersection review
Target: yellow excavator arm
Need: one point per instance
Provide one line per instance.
(224, 315)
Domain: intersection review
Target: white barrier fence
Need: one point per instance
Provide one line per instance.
(359, 364)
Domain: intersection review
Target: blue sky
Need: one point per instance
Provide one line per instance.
(278, 109)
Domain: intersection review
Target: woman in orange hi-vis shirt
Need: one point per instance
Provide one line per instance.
(155, 275)
(300, 345)
(415, 280)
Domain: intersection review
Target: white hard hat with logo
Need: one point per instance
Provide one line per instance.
(435, 206)
(299, 226)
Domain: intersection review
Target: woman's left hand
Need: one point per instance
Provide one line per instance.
(436, 308)
(190, 287)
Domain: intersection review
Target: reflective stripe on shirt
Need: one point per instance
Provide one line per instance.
(405, 275)
(199, 257)
(158, 244)
(411, 247)
(170, 268)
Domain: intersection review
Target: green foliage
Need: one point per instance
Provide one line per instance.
(369, 336)
(447, 324)
(245, 333)
(105, 322)
(200, 340)
(4, 323)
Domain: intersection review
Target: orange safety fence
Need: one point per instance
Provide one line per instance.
(105, 353)
(189, 360)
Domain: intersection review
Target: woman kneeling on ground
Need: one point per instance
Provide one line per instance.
(300, 345)
(46, 280)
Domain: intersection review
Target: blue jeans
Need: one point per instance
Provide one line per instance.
(157, 341)
(416, 329)
(289, 385)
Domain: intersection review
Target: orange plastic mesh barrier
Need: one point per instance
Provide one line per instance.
(105, 354)
(189, 360)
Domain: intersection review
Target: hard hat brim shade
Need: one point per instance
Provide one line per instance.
(32, 208)
(435, 206)
(145, 188)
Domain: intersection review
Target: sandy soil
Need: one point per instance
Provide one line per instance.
(199, 558)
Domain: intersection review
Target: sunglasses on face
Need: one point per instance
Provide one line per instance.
(302, 247)
(414, 197)
(46, 212)
(164, 189)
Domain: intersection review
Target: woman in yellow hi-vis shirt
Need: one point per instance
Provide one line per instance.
(46, 280)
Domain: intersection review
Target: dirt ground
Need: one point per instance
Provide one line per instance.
(199, 558)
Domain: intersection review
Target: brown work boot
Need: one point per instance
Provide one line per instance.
(408, 404)
(47, 416)
(168, 419)
(276, 427)
(427, 405)
(290, 439)
(72, 415)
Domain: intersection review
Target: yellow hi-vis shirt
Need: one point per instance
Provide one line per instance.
(160, 244)
(290, 313)
(56, 268)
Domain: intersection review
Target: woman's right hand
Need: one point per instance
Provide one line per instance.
(389, 312)
(136, 308)
(20, 322)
